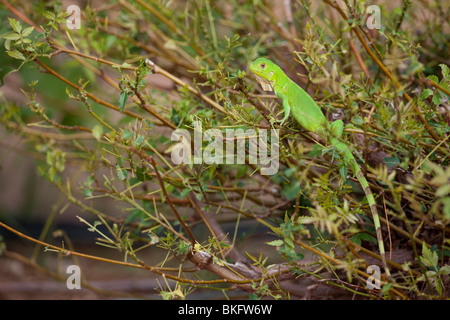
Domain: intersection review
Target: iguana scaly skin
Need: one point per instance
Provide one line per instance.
(306, 111)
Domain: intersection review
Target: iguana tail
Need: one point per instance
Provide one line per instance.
(350, 159)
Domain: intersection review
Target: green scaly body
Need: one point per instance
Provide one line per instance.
(306, 111)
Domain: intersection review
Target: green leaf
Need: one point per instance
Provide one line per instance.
(316, 151)
(122, 100)
(446, 202)
(445, 70)
(49, 15)
(253, 296)
(49, 158)
(139, 140)
(16, 55)
(17, 27)
(275, 243)
(358, 120)
(426, 93)
(385, 289)
(122, 174)
(241, 171)
(8, 45)
(141, 174)
(110, 40)
(184, 193)
(391, 161)
(343, 171)
(127, 134)
(429, 258)
(290, 191)
(27, 31)
(289, 172)
(445, 270)
(437, 99)
(443, 190)
(306, 220)
(97, 131)
(87, 192)
(433, 78)
(135, 214)
(363, 236)
(60, 160)
(12, 36)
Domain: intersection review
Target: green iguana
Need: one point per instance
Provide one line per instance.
(306, 111)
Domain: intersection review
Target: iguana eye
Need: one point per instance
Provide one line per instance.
(262, 65)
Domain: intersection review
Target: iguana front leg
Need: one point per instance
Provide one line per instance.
(287, 110)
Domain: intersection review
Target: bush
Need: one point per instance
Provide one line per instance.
(103, 101)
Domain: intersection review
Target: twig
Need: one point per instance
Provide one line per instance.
(90, 95)
(166, 196)
(289, 19)
(258, 105)
(360, 60)
(74, 253)
(214, 227)
(389, 229)
(157, 69)
(140, 265)
(390, 75)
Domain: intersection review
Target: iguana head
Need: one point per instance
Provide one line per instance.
(265, 72)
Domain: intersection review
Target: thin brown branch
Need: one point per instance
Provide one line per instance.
(360, 60)
(157, 69)
(390, 75)
(214, 227)
(139, 265)
(90, 95)
(152, 162)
